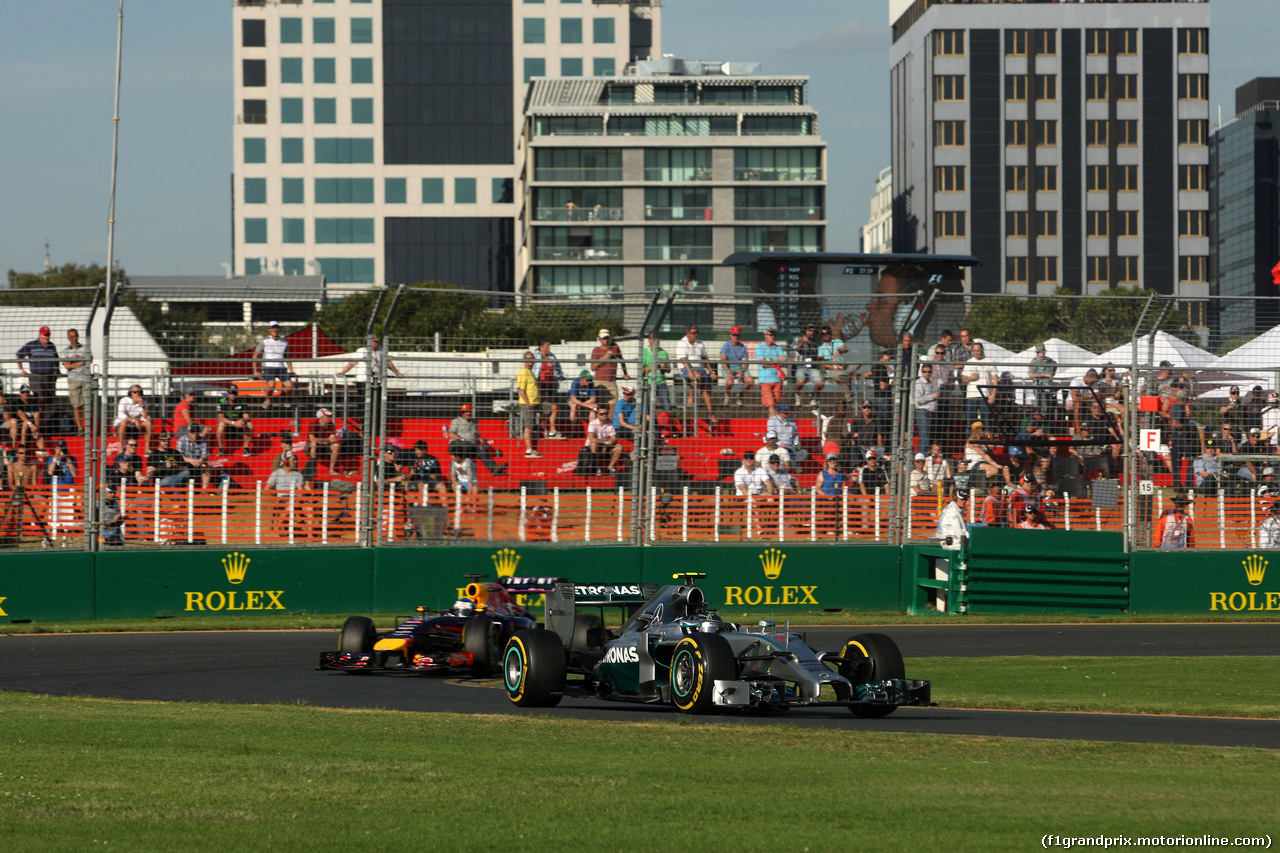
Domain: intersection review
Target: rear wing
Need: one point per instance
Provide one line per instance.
(565, 598)
(523, 585)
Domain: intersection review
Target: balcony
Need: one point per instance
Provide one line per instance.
(578, 253)
(577, 174)
(781, 214)
(677, 253)
(677, 214)
(799, 174)
(681, 174)
(577, 214)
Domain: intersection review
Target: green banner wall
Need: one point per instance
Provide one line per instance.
(1209, 582)
(41, 586)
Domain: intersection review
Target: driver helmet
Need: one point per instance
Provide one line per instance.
(464, 607)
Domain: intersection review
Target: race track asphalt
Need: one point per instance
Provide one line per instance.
(279, 666)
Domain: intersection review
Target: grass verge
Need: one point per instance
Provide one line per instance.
(140, 776)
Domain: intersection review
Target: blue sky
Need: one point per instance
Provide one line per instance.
(57, 65)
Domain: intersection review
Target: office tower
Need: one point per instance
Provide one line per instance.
(1063, 144)
(377, 141)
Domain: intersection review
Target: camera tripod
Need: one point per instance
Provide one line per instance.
(11, 520)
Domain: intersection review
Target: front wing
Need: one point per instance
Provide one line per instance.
(419, 665)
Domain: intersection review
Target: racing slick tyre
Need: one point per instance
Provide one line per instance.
(871, 657)
(483, 638)
(533, 668)
(700, 660)
(357, 635)
(588, 633)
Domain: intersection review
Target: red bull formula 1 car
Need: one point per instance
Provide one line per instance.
(672, 649)
(469, 637)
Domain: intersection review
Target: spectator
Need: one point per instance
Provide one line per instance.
(462, 480)
(233, 418)
(601, 437)
(979, 378)
(530, 405)
(9, 419)
(952, 527)
(377, 357)
(270, 363)
(804, 350)
(830, 480)
(41, 356)
(921, 485)
(780, 423)
(1026, 495)
(751, 479)
(1207, 470)
(832, 426)
(549, 375)
(1041, 371)
(963, 349)
(772, 448)
(1251, 408)
(784, 483)
(583, 395)
(1001, 400)
(1269, 417)
(956, 352)
(113, 531)
(287, 477)
(132, 416)
(692, 353)
(20, 470)
(1174, 528)
(286, 446)
(193, 445)
(771, 370)
(654, 367)
(182, 418)
(465, 443)
(1256, 449)
(167, 467)
(425, 470)
(1268, 488)
(1020, 462)
(881, 395)
(76, 359)
(127, 467)
(1031, 520)
(993, 508)
(926, 392)
(61, 467)
(831, 353)
(977, 452)
(938, 468)
(1182, 437)
(1269, 530)
(734, 354)
(866, 431)
(626, 415)
(389, 469)
(322, 434)
(905, 363)
(606, 359)
(27, 410)
(871, 477)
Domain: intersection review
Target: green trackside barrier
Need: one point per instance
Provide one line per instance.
(1244, 583)
(145, 584)
(42, 586)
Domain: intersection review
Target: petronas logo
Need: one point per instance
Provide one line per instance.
(1255, 568)
(236, 564)
(772, 560)
(505, 562)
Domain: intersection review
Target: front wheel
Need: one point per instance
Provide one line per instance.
(483, 638)
(357, 635)
(698, 662)
(533, 668)
(867, 658)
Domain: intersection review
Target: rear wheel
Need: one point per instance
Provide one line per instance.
(533, 668)
(483, 638)
(871, 657)
(700, 660)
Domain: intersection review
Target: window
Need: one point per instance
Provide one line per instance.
(602, 66)
(294, 230)
(255, 150)
(1047, 270)
(362, 30)
(1193, 178)
(1193, 40)
(255, 111)
(291, 69)
(1097, 223)
(1098, 179)
(1127, 131)
(325, 110)
(586, 281)
(1127, 268)
(291, 31)
(1097, 42)
(1015, 270)
(293, 191)
(1126, 42)
(253, 266)
(1127, 223)
(948, 223)
(534, 67)
(1193, 87)
(666, 278)
(1047, 133)
(1095, 131)
(362, 110)
(690, 242)
(295, 266)
(362, 70)
(344, 191)
(948, 134)
(291, 150)
(1047, 179)
(1046, 87)
(1193, 268)
(948, 87)
(253, 72)
(255, 230)
(347, 270)
(323, 31)
(1099, 270)
(1047, 223)
(339, 150)
(255, 190)
(503, 191)
(1193, 131)
(1015, 223)
(1015, 133)
(1015, 87)
(1015, 179)
(323, 70)
(253, 33)
(1095, 87)
(535, 31)
(948, 43)
(1126, 87)
(571, 31)
(1046, 42)
(948, 179)
(344, 230)
(433, 190)
(464, 190)
(1015, 42)
(602, 30)
(694, 203)
(571, 66)
(1127, 179)
(394, 191)
(1193, 223)
(291, 110)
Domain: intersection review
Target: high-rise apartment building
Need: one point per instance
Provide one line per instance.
(1063, 144)
(876, 236)
(1244, 217)
(376, 140)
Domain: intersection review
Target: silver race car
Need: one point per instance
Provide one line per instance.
(672, 649)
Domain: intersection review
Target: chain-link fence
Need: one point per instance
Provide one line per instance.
(404, 416)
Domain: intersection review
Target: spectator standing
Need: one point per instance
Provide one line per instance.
(1182, 437)
(132, 416)
(979, 377)
(692, 353)
(549, 374)
(1174, 528)
(832, 351)
(962, 350)
(654, 367)
(233, 417)
(270, 363)
(734, 354)
(465, 443)
(377, 357)
(906, 360)
(771, 370)
(41, 359)
(866, 431)
(76, 359)
(606, 359)
(953, 528)
(530, 405)
(925, 393)
(1041, 371)
(583, 395)
(808, 363)
(993, 508)
(194, 447)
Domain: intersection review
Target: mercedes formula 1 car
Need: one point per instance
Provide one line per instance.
(469, 637)
(672, 649)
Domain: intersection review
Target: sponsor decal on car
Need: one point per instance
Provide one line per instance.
(1255, 572)
(622, 654)
(235, 566)
(595, 590)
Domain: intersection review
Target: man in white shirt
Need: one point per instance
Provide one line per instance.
(270, 363)
(979, 376)
(952, 527)
(132, 414)
(692, 355)
(773, 448)
(751, 479)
